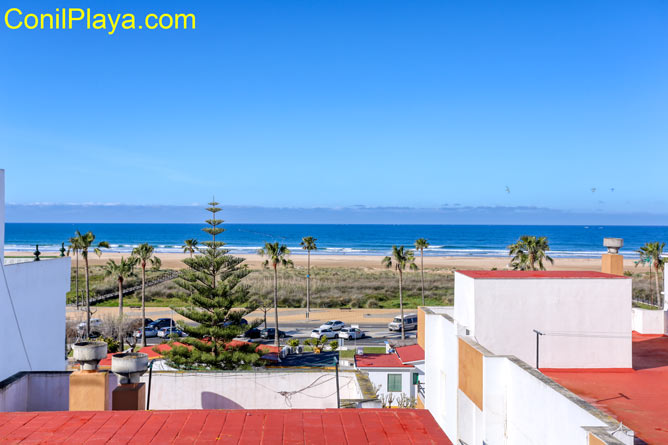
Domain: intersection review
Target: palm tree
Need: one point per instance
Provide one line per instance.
(144, 254)
(421, 244)
(308, 244)
(276, 254)
(120, 271)
(75, 247)
(85, 241)
(529, 250)
(653, 253)
(189, 246)
(399, 260)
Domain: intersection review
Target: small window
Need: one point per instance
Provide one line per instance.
(394, 382)
(416, 378)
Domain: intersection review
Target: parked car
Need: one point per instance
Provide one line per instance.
(351, 333)
(327, 332)
(242, 322)
(334, 325)
(166, 332)
(410, 323)
(150, 332)
(95, 324)
(253, 333)
(270, 333)
(162, 323)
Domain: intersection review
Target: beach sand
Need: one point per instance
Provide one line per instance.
(174, 261)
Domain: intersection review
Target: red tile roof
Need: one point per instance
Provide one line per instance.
(638, 397)
(379, 361)
(412, 353)
(327, 426)
(515, 274)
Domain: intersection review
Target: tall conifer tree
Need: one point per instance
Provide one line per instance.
(214, 279)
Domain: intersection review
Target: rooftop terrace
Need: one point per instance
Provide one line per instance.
(637, 397)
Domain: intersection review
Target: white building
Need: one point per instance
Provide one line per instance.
(32, 303)
(396, 373)
(582, 316)
(481, 384)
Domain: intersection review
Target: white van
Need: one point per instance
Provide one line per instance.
(410, 323)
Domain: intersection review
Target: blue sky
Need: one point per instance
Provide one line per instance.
(344, 103)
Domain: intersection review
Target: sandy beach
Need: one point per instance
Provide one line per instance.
(174, 261)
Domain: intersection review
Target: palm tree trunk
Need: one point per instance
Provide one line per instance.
(276, 340)
(76, 280)
(308, 285)
(401, 304)
(143, 303)
(658, 290)
(120, 312)
(87, 298)
(651, 294)
(422, 272)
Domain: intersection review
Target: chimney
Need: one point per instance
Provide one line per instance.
(89, 388)
(131, 393)
(612, 262)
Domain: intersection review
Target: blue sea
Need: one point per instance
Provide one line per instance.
(342, 239)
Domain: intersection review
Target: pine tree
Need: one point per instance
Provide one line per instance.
(217, 297)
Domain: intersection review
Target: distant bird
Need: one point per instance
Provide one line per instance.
(507, 189)
(593, 189)
(612, 189)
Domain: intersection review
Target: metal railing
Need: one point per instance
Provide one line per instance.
(420, 389)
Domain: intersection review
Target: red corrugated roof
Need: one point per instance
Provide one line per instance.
(636, 397)
(412, 353)
(379, 361)
(516, 274)
(264, 427)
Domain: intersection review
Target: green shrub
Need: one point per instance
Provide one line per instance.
(334, 345)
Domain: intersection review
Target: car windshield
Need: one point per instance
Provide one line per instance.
(397, 320)
(329, 323)
(344, 329)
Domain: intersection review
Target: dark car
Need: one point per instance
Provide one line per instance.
(253, 333)
(242, 322)
(162, 323)
(148, 321)
(270, 333)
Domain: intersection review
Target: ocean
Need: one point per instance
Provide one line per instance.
(342, 239)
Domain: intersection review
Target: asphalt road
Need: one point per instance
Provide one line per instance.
(376, 335)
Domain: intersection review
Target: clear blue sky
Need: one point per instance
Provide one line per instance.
(341, 103)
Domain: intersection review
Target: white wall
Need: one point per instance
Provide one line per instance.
(441, 370)
(250, 390)
(36, 392)
(378, 376)
(38, 291)
(587, 321)
(540, 411)
(647, 321)
(520, 404)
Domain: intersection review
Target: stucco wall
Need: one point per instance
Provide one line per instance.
(38, 292)
(587, 321)
(36, 392)
(378, 376)
(539, 412)
(646, 321)
(441, 365)
(250, 390)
